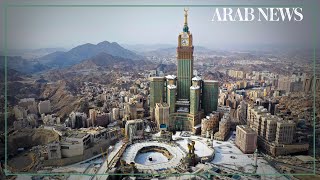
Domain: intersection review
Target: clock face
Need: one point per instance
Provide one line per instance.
(184, 41)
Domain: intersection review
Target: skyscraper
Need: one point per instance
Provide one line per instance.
(156, 93)
(185, 60)
(184, 93)
(210, 96)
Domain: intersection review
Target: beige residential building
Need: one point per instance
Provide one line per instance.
(308, 84)
(236, 74)
(162, 114)
(224, 128)
(93, 115)
(74, 144)
(210, 124)
(134, 129)
(254, 117)
(246, 139)
(44, 107)
(20, 112)
(115, 113)
(54, 150)
(130, 111)
(275, 135)
(285, 132)
(29, 104)
(269, 127)
(271, 130)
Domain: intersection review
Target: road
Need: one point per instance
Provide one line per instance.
(296, 168)
(106, 164)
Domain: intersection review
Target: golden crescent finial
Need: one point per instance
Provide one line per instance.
(186, 10)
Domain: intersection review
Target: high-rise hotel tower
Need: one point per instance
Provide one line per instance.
(189, 97)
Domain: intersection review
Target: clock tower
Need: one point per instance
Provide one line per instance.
(185, 61)
(188, 98)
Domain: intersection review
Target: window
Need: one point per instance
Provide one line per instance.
(64, 147)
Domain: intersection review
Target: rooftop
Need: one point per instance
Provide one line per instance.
(75, 134)
(134, 121)
(210, 81)
(246, 129)
(260, 109)
(93, 130)
(156, 78)
(171, 77)
(195, 87)
(269, 117)
(228, 155)
(196, 78)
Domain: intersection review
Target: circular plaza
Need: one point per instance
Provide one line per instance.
(153, 155)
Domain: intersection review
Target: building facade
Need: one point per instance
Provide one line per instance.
(44, 107)
(157, 88)
(210, 124)
(246, 139)
(275, 135)
(162, 114)
(54, 150)
(224, 128)
(134, 129)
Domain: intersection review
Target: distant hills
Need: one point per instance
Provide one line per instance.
(22, 65)
(112, 53)
(140, 48)
(31, 53)
(104, 54)
(85, 51)
(13, 75)
(172, 50)
(97, 68)
(104, 60)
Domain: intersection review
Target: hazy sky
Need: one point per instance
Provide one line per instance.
(42, 27)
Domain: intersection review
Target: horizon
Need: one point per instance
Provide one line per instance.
(62, 27)
(158, 46)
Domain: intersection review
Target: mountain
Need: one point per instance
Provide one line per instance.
(32, 53)
(85, 51)
(140, 48)
(12, 75)
(171, 51)
(19, 64)
(97, 68)
(166, 68)
(103, 60)
(162, 52)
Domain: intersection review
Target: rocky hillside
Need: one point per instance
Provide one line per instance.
(21, 65)
(100, 68)
(61, 97)
(30, 137)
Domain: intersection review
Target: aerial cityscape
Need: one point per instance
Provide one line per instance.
(116, 111)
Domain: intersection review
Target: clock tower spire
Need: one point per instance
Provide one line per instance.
(185, 27)
(185, 60)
